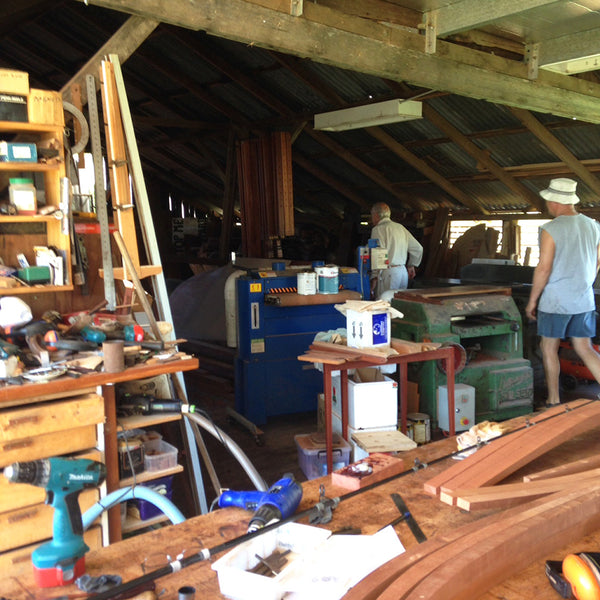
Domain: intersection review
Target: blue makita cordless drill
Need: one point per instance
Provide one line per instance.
(279, 502)
(61, 560)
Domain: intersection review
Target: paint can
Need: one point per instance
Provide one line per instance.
(327, 279)
(307, 283)
(421, 427)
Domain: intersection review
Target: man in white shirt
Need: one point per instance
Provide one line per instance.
(404, 252)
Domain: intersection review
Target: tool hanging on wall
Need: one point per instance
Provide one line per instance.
(101, 210)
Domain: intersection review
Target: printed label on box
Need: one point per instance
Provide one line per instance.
(380, 328)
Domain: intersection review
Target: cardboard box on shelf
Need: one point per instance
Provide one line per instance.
(45, 107)
(14, 82)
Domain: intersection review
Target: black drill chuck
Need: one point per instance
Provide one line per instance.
(35, 472)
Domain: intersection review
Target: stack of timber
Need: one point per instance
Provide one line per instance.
(462, 483)
(337, 354)
(467, 561)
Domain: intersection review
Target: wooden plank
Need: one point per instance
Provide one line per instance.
(529, 531)
(524, 448)
(530, 534)
(434, 485)
(327, 358)
(376, 354)
(511, 494)
(383, 441)
(590, 462)
(30, 393)
(116, 156)
(435, 295)
(353, 477)
(407, 347)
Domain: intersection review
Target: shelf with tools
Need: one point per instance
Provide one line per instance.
(33, 151)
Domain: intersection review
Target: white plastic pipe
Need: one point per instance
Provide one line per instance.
(257, 480)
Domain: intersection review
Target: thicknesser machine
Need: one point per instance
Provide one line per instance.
(485, 325)
(275, 326)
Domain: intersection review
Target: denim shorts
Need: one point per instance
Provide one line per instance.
(552, 325)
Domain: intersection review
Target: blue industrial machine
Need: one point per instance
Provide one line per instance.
(275, 326)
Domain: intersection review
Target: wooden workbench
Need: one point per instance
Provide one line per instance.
(369, 511)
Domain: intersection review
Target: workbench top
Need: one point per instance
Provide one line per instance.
(369, 511)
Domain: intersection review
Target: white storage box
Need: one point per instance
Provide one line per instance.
(464, 407)
(367, 329)
(160, 456)
(372, 399)
(232, 569)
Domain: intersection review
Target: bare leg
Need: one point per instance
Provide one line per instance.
(590, 358)
(549, 348)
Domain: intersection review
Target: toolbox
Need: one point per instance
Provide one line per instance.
(35, 274)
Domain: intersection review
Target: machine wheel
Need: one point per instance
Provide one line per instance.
(460, 359)
(568, 382)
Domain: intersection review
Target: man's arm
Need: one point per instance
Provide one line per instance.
(541, 273)
(414, 255)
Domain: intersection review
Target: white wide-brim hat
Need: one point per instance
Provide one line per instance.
(561, 190)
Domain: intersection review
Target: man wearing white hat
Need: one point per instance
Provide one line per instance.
(562, 297)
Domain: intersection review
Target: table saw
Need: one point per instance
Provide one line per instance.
(486, 322)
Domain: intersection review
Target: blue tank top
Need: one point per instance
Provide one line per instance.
(569, 288)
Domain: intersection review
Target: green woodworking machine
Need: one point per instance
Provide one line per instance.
(485, 321)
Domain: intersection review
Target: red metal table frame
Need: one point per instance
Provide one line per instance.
(445, 354)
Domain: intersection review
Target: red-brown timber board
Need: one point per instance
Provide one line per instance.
(523, 449)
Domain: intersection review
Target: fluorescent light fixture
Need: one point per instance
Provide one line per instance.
(369, 115)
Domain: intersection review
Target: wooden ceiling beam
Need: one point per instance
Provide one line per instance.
(360, 165)
(376, 10)
(473, 14)
(330, 180)
(348, 42)
(481, 157)
(242, 79)
(124, 43)
(315, 83)
(558, 148)
(421, 166)
(198, 48)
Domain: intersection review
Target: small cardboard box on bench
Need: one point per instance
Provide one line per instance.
(368, 329)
